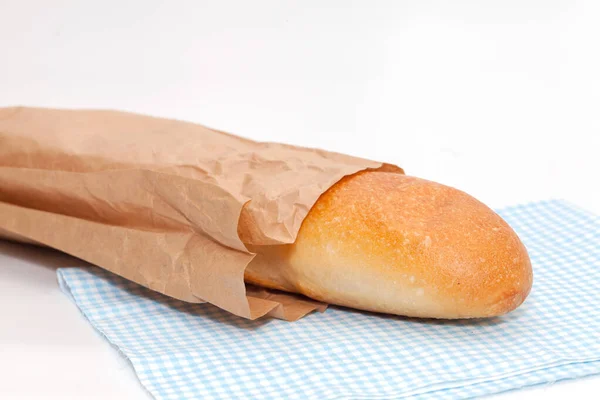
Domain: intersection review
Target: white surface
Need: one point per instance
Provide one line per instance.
(498, 98)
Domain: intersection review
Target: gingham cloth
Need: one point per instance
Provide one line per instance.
(186, 351)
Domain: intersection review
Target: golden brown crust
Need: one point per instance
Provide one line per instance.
(397, 244)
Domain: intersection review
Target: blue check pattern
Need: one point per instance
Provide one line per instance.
(188, 351)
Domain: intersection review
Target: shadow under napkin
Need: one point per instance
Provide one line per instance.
(182, 350)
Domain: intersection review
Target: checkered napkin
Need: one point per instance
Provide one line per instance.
(185, 351)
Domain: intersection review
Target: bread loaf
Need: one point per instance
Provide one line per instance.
(396, 244)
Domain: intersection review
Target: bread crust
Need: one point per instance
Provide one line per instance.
(392, 243)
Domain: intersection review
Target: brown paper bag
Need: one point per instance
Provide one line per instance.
(158, 201)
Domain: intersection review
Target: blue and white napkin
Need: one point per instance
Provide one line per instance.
(186, 351)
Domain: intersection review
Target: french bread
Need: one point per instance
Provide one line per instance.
(391, 243)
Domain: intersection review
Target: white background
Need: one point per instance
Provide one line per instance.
(498, 98)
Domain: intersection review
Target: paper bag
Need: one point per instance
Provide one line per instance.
(159, 201)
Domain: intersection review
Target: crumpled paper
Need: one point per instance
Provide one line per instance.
(168, 204)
